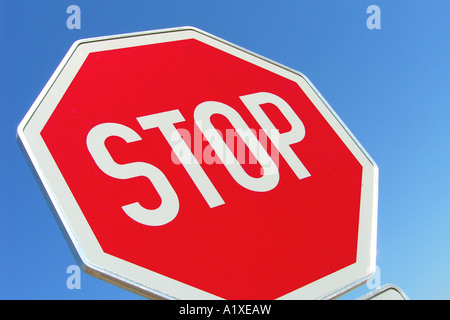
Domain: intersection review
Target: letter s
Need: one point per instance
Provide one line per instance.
(169, 207)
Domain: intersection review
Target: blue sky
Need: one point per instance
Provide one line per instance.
(390, 86)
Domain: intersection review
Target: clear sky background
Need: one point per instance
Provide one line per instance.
(390, 86)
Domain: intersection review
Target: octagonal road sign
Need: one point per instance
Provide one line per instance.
(386, 292)
(181, 166)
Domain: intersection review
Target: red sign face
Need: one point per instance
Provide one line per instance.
(200, 166)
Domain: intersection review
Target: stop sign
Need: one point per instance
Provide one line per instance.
(182, 166)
